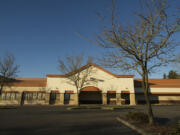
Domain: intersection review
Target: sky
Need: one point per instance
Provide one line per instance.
(38, 32)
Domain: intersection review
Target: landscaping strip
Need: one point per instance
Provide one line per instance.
(133, 127)
(97, 107)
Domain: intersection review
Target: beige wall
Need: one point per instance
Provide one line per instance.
(72, 99)
(9, 102)
(106, 82)
(34, 102)
(159, 98)
(13, 98)
(168, 97)
(21, 89)
(169, 90)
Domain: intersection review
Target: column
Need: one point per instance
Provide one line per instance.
(47, 98)
(132, 99)
(61, 98)
(118, 98)
(104, 98)
(76, 99)
(57, 98)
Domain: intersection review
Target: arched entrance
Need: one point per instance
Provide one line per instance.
(90, 95)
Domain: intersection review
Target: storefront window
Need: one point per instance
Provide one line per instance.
(9, 96)
(35, 96)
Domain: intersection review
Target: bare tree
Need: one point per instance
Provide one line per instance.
(77, 74)
(142, 46)
(8, 70)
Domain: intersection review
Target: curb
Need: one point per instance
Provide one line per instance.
(133, 127)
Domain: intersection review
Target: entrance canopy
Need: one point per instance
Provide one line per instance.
(90, 88)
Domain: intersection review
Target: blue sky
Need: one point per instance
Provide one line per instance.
(37, 32)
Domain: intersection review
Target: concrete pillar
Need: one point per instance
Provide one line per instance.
(76, 99)
(61, 98)
(57, 98)
(118, 98)
(104, 98)
(132, 99)
(47, 98)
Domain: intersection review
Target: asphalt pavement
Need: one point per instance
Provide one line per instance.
(56, 120)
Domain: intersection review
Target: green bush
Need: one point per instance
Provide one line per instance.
(138, 117)
(176, 130)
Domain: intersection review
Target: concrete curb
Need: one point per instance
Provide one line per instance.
(133, 127)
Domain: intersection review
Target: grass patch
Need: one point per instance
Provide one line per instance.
(137, 117)
(107, 108)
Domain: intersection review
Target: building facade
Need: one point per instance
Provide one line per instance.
(103, 87)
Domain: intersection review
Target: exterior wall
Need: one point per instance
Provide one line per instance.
(71, 100)
(21, 89)
(169, 90)
(34, 102)
(9, 102)
(10, 98)
(158, 99)
(122, 88)
(169, 97)
(159, 95)
(33, 98)
(105, 82)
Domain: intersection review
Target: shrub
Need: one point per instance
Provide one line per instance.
(138, 117)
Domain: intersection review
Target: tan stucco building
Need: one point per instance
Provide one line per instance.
(108, 88)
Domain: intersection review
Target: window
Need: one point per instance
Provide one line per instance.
(41, 96)
(67, 96)
(34, 96)
(9, 96)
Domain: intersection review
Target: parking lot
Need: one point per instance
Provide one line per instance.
(39, 120)
(28, 120)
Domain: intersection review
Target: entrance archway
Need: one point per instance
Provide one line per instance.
(90, 95)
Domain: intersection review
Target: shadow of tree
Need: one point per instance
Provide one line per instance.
(161, 121)
(8, 107)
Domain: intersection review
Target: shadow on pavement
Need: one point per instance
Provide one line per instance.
(161, 121)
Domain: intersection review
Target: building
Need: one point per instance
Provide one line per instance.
(104, 88)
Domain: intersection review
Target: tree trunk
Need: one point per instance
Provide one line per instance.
(2, 84)
(1, 88)
(78, 99)
(145, 86)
